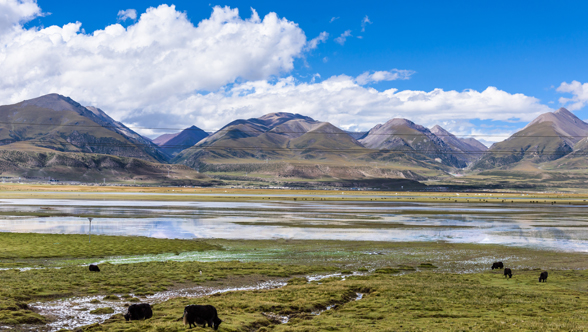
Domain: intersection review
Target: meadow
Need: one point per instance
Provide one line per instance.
(403, 286)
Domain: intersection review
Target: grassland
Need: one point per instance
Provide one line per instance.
(16, 246)
(41, 191)
(423, 301)
(407, 286)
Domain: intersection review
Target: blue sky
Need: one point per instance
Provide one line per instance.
(519, 48)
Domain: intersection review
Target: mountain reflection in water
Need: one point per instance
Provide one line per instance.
(545, 226)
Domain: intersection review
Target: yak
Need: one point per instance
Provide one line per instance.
(138, 311)
(543, 276)
(497, 265)
(94, 268)
(201, 314)
(507, 272)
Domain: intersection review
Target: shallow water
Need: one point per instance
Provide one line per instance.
(530, 225)
(75, 312)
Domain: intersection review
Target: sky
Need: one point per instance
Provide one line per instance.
(478, 69)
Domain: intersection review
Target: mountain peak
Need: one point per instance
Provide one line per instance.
(564, 122)
(280, 116)
(440, 131)
(563, 110)
(53, 101)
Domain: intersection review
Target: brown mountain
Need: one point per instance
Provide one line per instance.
(175, 143)
(549, 137)
(468, 150)
(272, 136)
(404, 136)
(59, 123)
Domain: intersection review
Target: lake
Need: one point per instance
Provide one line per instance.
(530, 225)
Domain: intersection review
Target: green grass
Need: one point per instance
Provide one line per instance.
(423, 301)
(413, 285)
(34, 246)
(22, 287)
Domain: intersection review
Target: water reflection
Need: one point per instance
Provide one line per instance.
(498, 223)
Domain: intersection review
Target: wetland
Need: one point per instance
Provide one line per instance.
(272, 263)
(540, 225)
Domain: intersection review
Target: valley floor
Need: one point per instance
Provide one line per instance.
(153, 193)
(285, 285)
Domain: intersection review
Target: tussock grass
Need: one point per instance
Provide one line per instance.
(22, 287)
(423, 301)
(417, 289)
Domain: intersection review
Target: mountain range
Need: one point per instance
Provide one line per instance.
(282, 145)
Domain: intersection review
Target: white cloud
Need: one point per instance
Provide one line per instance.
(15, 12)
(365, 21)
(339, 100)
(313, 43)
(333, 19)
(579, 92)
(341, 39)
(163, 54)
(377, 76)
(123, 15)
(157, 72)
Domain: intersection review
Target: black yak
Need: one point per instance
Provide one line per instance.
(543, 276)
(507, 272)
(94, 268)
(497, 265)
(201, 314)
(139, 311)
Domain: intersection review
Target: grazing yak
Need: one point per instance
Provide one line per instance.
(543, 276)
(139, 311)
(201, 314)
(497, 265)
(94, 268)
(507, 272)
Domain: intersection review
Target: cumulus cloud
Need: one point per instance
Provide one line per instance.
(341, 39)
(579, 92)
(341, 101)
(365, 21)
(377, 76)
(123, 15)
(313, 43)
(165, 71)
(15, 12)
(162, 54)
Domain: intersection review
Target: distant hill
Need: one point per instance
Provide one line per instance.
(59, 123)
(404, 136)
(172, 144)
(475, 143)
(272, 136)
(160, 140)
(357, 134)
(549, 137)
(468, 150)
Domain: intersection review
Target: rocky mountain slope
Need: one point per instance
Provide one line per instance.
(59, 123)
(406, 137)
(468, 150)
(272, 136)
(549, 137)
(41, 164)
